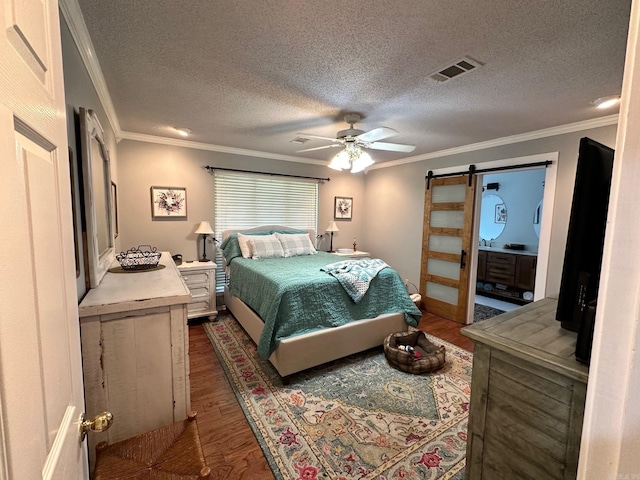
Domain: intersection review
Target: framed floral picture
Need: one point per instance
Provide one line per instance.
(168, 202)
(343, 208)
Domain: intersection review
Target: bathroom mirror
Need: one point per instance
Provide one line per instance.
(493, 217)
(537, 219)
(96, 175)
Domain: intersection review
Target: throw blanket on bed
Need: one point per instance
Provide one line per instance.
(293, 296)
(355, 275)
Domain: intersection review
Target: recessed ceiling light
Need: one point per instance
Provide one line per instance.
(183, 131)
(606, 102)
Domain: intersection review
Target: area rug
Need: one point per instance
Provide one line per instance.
(355, 418)
(482, 312)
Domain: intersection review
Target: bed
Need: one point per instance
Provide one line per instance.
(300, 316)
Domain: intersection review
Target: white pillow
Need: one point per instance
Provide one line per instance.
(265, 246)
(245, 248)
(295, 244)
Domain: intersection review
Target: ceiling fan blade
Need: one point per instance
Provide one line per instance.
(377, 134)
(308, 135)
(317, 148)
(392, 147)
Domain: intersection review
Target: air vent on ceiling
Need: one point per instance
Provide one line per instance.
(456, 69)
(299, 140)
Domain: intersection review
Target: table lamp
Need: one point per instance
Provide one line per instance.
(204, 229)
(332, 228)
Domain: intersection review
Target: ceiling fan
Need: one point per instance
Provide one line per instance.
(359, 138)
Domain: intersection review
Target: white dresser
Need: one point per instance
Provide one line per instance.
(135, 351)
(200, 278)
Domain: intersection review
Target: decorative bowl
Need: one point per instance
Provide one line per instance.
(138, 259)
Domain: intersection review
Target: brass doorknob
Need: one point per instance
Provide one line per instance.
(99, 423)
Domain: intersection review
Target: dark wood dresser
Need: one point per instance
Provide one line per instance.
(527, 397)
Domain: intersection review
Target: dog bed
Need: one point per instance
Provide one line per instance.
(431, 357)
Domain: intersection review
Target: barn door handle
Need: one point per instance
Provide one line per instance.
(463, 256)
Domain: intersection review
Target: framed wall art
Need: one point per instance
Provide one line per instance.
(501, 213)
(343, 208)
(168, 202)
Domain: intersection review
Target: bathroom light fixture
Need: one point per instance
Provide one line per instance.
(183, 131)
(332, 228)
(352, 157)
(205, 230)
(606, 102)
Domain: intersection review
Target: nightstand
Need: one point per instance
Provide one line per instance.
(353, 254)
(200, 279)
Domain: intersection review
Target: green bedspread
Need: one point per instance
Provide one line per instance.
(293, 296)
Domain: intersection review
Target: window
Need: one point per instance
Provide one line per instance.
(244, 200)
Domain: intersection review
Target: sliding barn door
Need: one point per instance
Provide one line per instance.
(446, 246)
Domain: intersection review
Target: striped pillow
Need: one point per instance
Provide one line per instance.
(296, 244)
(265, 246)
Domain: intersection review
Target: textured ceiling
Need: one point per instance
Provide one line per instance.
(253, 74)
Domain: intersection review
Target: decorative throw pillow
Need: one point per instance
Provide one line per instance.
(296, 244)
(265, 246)
(245, 248)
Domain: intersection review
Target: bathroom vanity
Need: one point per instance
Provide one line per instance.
(506, 274)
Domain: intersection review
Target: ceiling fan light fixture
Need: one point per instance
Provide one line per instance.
(341, 161)
(363, 161)
(351, 158)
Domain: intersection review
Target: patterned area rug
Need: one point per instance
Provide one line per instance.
(482, 312)
(355, 418)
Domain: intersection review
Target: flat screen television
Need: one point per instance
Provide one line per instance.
(585, 239)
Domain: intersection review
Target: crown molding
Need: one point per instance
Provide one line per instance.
(73, 15)
(523, 137)
(176, 142)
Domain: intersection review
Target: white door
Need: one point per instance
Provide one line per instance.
(41, 390)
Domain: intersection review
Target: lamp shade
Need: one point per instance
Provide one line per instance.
(204, 229)
(332, 227)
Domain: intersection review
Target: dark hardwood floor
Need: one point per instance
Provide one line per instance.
(230, 448)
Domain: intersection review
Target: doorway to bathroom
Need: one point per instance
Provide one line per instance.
(511, 207)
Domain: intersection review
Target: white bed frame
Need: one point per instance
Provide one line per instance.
(304, 351)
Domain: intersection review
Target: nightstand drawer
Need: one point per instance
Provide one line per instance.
(200, 291)
(198, 306)
(195, 278)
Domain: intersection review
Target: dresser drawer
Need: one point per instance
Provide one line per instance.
(196, 278)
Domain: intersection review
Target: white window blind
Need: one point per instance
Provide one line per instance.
(244, 200)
